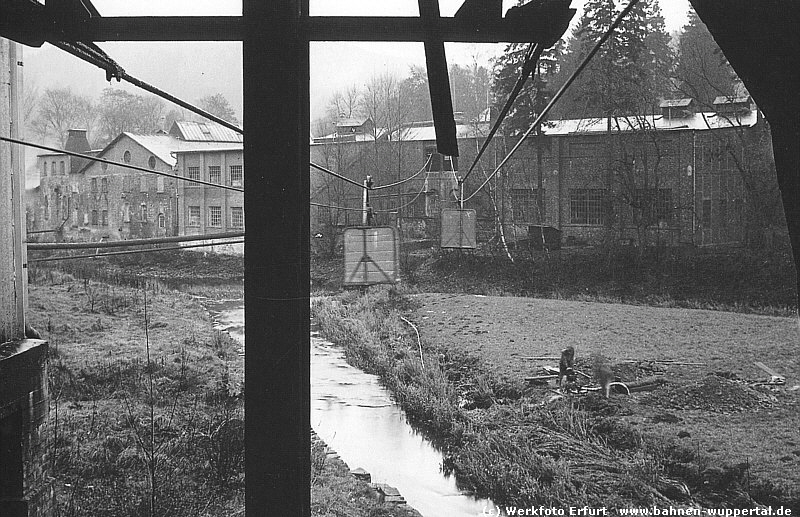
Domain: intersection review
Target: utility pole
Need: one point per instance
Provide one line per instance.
(13, 261)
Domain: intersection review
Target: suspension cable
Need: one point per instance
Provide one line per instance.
(130, 252)
(125, 165)
(532, 56)
(321, 205)
(389, 210)
(335, 174)
(560, 92)
(400, 182)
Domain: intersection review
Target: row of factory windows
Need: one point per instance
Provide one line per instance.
(214, 174)
(145, 183)
(214, 217)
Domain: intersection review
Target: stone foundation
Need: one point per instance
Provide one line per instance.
(25, 487)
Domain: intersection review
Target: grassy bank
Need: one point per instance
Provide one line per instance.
(504, 442)
(147, 408)
(146, 400)
(729, 279)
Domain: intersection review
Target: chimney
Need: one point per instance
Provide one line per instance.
(77, 143)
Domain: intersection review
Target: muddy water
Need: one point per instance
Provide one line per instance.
(356, 416)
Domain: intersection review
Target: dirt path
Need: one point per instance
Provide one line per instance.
(712, 405)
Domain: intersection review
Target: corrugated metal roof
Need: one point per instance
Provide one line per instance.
(204, 132)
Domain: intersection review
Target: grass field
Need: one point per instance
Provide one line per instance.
(735, 423)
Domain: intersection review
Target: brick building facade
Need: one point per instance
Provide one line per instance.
(678, 177)
(206, 209)
(86, 200)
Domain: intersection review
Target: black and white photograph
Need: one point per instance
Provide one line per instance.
(488, 257)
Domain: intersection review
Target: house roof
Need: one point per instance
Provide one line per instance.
(697, 121)
(163, 146)
(737, 99)
(428, 132)
(203, 132)
(352, 122)
(675, 103)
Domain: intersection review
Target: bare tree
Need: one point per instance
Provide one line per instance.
(60, 109)
(121, 111)
(219, 106)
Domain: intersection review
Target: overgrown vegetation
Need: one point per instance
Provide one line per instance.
(502, 444)
(146, 400)
(729, 279)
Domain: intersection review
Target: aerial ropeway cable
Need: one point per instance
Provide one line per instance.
(531, 59)
(93, 54)
(361, 185)
(559, 93)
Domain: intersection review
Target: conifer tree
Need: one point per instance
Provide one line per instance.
(702, 72)
(536, 92)
(629, 73)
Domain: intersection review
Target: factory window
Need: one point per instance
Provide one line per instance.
(194, 216)
(151, 162)
(587, 206)
(193, 173)
(237, 217)
(126, 157)
(94, 217)
(44, 168)
(103, 184)
(62, 168)
(104, 218)
(215, 216)
(214, 174)
(237, 175)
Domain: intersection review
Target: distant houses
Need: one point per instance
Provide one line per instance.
(83, 200)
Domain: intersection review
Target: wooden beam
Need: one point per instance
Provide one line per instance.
(13, 279)
(318, 28)
(277, 196)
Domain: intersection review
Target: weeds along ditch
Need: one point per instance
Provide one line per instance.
(502, 444)
(146, 399)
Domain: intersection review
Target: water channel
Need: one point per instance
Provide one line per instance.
(357, 418)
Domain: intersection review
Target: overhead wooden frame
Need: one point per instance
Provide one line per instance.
(276, 36)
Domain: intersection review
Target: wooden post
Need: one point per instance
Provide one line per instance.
(276, 259)
(13, 277)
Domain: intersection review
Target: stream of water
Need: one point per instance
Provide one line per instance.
(357, 417)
